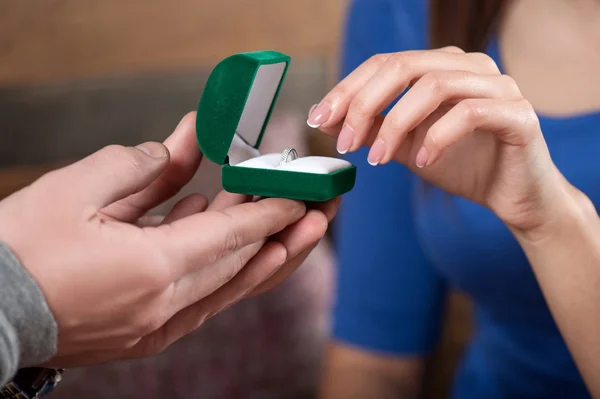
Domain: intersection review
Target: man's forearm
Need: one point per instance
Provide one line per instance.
(566, 261)
(28, 331)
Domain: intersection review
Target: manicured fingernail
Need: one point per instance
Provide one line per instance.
(155, 150)
(318, 115)
(377, 152)
(345, 139)
(422, 156)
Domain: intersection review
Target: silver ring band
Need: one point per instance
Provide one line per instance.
(288, 155)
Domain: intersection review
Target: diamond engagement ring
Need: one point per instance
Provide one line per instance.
(288, 155)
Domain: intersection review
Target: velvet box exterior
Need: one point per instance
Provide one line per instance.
(233, 114)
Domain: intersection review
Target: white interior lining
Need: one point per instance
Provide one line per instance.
(243, 155)
(316, 165)
(242, 152)
(261, 97)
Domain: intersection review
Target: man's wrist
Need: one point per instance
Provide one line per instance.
(28, 330)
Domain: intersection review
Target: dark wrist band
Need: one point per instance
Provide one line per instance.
(31, 383)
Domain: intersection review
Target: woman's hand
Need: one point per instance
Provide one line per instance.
(461, 125)
(124, 285)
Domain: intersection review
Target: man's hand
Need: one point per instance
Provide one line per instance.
(123, 285)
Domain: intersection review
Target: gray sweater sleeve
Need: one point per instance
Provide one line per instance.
(28, 331)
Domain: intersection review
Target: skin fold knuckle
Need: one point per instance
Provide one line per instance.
(377, 60)
(109, 153)
(236, 263)
(454, 49)
(432, 141)
(130, 343)
(511, 88)
(157, 343)
(155, 273)
(360, 108)
(274, 216)
(232, 238)
(113, 150)
(399, 63)
(485, 61)
(529, 117)
(339, 94)
(148, 321)
(434, 82)
(470, 110)
(393, 133)
(129, 158)
(393, 126)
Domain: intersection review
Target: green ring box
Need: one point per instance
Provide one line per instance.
(233, 113)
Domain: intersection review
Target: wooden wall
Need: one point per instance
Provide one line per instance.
(55, 40)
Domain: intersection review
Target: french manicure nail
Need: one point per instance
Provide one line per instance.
(422, 156)
(345, 139)
(318, 115)
(376, 153)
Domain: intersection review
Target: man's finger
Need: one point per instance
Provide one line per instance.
(329, 208)
(282, 273)
(225, 200)
(299, 240)
(194, 203)
(203, 238)
(302, 234)
(111, 174)
(183, 164)
(263, 265)
(203, 282)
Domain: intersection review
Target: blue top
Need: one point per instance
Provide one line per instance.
(401, 243)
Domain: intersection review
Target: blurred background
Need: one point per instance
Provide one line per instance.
(76, 75)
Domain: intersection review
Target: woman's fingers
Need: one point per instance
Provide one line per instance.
(367, 91)
(321, 115)
(330, 110)
(513, 122)
(393, 78)
(427, 94)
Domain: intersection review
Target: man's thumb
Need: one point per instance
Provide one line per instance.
(115, 172)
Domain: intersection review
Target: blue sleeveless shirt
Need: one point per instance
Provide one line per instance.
(402, 244)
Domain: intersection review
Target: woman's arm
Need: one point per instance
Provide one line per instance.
(388, 303)
(466, 128)
(565, 256)
(352, 373)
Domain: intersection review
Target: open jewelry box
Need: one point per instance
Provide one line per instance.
(233, 113)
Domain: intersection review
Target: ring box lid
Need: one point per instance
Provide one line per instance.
(237, 102)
